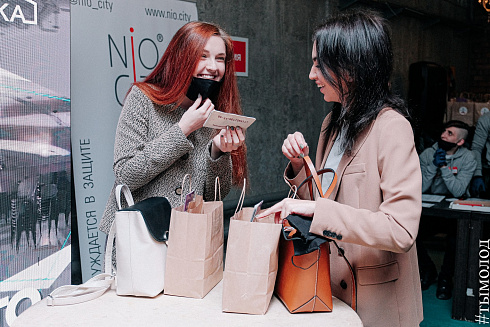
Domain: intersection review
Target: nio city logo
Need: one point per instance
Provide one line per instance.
(143, 56)
(27, 13)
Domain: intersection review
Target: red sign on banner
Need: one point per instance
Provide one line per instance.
(240, 46)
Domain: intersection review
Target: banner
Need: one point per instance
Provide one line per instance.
(113, 44)
(35, 174)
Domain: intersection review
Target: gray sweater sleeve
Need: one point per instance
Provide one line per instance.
(429, 170)
(458, 183)
(479, 140)
(137, 159)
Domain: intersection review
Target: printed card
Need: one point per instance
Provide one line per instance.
(219, 120)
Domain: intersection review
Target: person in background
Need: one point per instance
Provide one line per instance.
(374, 211)
(447, 168)
(160, 135)
(481, 141)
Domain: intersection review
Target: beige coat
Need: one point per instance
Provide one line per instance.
(374, 214)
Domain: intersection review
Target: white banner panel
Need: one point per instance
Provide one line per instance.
(113, 43)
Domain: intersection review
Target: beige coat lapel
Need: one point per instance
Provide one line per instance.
(345, 161)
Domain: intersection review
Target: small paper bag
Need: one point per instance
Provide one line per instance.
(463, 111)
(481, 108)
(195, 249)
(251, 263)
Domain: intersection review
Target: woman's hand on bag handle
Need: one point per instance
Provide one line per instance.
(289, 206)
(228, 139)
(295, 148)
(195, 116)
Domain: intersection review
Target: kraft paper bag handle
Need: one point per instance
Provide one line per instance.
(294, 189)
(183, 185)
(217, 187)
(242, 198)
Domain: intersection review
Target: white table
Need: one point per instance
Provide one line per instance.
(163, 310)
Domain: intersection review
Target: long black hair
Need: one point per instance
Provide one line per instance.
(355, 56)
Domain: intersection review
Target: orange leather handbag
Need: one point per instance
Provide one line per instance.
(303, 281)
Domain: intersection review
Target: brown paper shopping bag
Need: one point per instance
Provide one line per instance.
(463, 111)
(481, 108)
(251, 262)
(195, 248)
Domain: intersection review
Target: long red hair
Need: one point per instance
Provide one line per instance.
(169, 81)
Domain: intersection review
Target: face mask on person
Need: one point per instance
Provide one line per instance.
(445, 145)
(202, 86)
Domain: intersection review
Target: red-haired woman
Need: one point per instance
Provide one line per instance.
(160, 135)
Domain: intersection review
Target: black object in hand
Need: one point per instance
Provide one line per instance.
(205, 87)
(303, 241)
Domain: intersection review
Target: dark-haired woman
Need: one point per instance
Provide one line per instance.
(160, 135)
(374, 211)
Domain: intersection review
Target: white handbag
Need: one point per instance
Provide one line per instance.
(142, 233)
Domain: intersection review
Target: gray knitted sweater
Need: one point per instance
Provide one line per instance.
(152, 155)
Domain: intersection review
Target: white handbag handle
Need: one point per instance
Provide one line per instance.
(97, 285)
(127, 194)
(108, 268)
(73, 294)
(94, 287)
